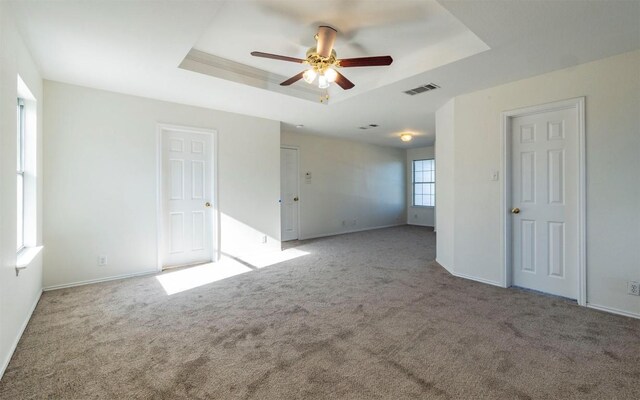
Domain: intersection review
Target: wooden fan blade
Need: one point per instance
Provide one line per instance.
(343, 82)
(366, 61)
(293, 79)
(276, 57)
(326, 38)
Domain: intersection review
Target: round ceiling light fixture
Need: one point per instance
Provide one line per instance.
(406, 137)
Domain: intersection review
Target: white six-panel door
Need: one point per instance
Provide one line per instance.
(289, 211)
(545, 202)
(187, 198)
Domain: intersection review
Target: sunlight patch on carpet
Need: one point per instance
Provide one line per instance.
(189, 278)
(193, 277)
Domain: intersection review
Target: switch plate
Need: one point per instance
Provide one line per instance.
(633, 288)
(102, 261)
(495, 175)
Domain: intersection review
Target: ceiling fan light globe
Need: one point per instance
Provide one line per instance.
(406, 137)
(309, 75)
(323, 82)
(331, 75)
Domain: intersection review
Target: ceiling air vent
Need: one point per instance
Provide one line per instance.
(422, 89)
(363, 127)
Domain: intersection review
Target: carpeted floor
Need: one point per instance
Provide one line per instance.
(361, 316)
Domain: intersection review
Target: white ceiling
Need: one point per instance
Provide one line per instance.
(135, 47)
(420, 36)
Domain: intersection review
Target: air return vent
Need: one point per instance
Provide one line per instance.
(422, 89)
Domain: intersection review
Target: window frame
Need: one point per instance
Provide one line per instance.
(20, 175)
(414, 183)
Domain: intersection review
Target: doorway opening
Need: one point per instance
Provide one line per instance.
(289, 193)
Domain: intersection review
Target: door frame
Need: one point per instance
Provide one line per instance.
(215, 214)
(297, 148)
(578, 104)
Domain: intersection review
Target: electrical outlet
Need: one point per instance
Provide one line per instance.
(633, 288)
(344, 222)
(102, 261)
(263, 239)
(354, 222)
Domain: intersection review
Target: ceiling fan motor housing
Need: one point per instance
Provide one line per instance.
(326, 37)
(319, 63)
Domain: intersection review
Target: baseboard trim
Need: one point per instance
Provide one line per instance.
(351, 231)
(613, 311)
(5, 363)
(473, 278)
(107, 279)
(425, 225)
(610, 310)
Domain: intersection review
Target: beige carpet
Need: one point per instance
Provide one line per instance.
(362, 316)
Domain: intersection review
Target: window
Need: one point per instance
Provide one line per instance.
(424, 187)
(20, 172)
(26, 177)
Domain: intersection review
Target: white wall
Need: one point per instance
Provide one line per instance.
(18, 294)
(350, 181)
(100, 173)
(444, 149)
(612, 90)
(424, 216)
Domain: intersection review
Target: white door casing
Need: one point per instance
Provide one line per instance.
(289, 193)
(187, 200)
(544, 199)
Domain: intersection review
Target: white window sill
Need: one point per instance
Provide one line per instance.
(423, 206)
(26, 256)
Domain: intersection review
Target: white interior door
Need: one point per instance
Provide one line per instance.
(289, 204)
(545, 202)
(187, 198)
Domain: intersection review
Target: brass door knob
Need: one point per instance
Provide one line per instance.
(207, 204)
(515, 210)
(295, 198)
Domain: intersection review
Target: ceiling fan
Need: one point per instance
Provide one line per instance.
(323, 62)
